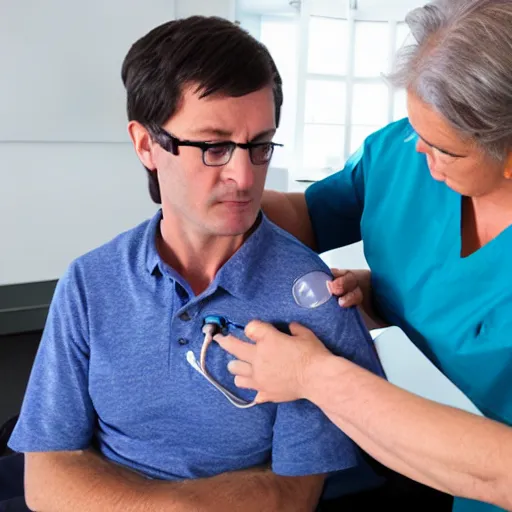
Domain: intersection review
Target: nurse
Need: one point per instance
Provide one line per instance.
(431, 197)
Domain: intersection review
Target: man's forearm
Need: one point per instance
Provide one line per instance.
(86, 482)
(446, 448)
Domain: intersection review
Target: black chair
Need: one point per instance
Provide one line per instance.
(11, 472)
(5, 433)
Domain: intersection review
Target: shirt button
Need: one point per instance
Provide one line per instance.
(183, 341)
(184, 317)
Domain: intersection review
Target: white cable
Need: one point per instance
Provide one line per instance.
(200, 366)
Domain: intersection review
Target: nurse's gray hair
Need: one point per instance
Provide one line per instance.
(461, 65)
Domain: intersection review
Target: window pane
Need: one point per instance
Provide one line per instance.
(285, 57)
(370, 104)
(328, 41)
(323, 146)
(372, 48)
(273, 31)
(325, 102)
(400, 107)
(358, 134)
(402, 34)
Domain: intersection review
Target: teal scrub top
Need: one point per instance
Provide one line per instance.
(458, 311)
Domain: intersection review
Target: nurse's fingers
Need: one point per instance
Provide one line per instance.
(354, 298)
(240, 368)
(344, 282)
(248, 383)
(258, 331)
(244, 382)
(240, 349)
(262, 398)
(336, 272)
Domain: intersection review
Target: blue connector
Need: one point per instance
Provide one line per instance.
(217, 320)
(222, 323)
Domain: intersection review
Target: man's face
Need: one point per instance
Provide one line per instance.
(215, 201)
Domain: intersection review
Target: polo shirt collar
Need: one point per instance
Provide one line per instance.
(238, 276)
(153, 261)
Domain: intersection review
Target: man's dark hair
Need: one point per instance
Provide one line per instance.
(214, 53)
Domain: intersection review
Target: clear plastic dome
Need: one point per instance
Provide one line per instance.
(310, 291)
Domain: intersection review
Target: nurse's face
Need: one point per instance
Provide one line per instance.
(214, 200)
(460, 163)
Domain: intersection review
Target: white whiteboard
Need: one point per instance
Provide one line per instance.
(60, 66)
(408, 368)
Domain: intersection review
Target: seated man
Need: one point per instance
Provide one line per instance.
(120, 412)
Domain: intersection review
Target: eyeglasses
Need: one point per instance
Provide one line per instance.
(215, 154)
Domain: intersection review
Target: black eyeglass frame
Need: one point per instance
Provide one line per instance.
(172, 144)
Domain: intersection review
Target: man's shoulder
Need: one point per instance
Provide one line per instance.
(282, 263)
(109, 259)
(287, 260)
(289, 255)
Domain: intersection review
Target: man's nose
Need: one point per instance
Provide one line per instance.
(240, 169)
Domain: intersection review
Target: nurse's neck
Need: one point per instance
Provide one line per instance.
(484, 218)
(497, 203)
(196, 256)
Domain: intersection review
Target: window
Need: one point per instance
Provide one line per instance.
(275, 30)
(332, 60)
(371, 48)
(327, 38)
(346, 98)
(369, 111)
(402, 37)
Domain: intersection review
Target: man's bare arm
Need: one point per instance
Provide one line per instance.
(290, 212)
(83, 481)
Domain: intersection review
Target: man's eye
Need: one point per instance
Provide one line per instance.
(263, 149)
(218, 150)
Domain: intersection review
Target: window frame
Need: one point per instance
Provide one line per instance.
(353, 16)
(351, 11)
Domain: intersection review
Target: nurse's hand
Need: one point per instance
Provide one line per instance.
(277, 364)
(351, 286)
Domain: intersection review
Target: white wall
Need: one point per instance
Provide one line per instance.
(59, 200)
(69, 179)
(61, 64)
(224, 8)
(250, 22)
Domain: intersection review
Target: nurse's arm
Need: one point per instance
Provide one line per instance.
(446, 448)
(290, 212)
(83, 481)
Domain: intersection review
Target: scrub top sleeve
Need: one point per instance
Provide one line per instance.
(57, 412)
(335, 205)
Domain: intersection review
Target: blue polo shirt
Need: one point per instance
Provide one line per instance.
(112, 366)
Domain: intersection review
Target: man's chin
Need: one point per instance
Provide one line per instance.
(236, 226)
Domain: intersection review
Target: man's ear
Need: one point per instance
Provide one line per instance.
(142, 143)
